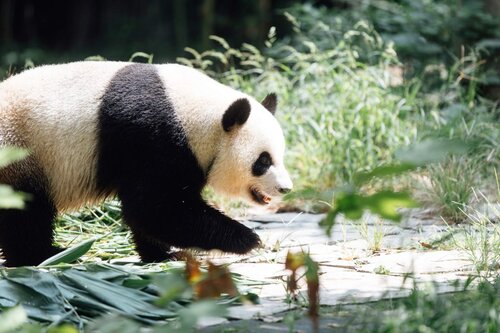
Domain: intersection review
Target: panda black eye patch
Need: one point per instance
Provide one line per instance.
(262, 164)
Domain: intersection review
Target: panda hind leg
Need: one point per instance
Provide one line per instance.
(26, 235)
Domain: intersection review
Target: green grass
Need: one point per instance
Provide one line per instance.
(103, 222)
(472, 310)
(451, 186)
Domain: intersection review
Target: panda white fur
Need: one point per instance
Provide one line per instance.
(154, 135)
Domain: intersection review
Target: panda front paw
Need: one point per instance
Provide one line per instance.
(243, 241)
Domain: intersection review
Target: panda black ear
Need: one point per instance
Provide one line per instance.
(270, 102)
(236, 114)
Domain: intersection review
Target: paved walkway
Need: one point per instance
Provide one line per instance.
(356, 264)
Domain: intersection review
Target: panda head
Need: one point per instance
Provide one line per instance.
(249, 162)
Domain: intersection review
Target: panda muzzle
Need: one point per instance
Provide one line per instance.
(259, 196)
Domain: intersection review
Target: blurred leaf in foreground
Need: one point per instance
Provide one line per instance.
(293, 262)
(10, 155)
(12, 319)
(217, 282)
(351, 203)
(10, 199)
(430, 151)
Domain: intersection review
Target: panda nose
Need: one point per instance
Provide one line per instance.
(284, 190)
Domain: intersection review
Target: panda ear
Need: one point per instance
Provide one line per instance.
(270, 102)
(236, 114)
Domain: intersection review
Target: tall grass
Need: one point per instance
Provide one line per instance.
(451, 186)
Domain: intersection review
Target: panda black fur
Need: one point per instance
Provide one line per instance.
(154, 135)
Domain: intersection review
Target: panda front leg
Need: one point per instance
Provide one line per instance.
(186, 224)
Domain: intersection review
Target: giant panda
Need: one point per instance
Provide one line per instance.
(152, 135)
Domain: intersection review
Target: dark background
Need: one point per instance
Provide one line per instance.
(34, 32)
(116, 29)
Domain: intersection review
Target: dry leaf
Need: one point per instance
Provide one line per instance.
(217, 282)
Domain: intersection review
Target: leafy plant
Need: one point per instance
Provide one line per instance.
(350, 202)
(451, 186)
(479, 237)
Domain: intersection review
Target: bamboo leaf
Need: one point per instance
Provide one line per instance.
(70, 255)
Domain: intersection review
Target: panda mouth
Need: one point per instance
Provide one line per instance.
(259, 196)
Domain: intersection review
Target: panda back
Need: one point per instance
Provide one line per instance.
(52, 110)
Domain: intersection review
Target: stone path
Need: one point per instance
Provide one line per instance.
(357, 264)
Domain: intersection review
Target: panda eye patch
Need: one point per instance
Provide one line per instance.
(262, 164)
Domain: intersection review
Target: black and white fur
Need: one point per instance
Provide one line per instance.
(154, 135)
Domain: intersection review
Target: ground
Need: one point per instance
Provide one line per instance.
(351, 271)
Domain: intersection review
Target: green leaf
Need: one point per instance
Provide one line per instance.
(113, 324)
(382, 171)
(430, 151)
(11, 199)
(66, 328)
(79, 293)
(349, 204)
(127, 301)
(36, 291)
(10, 155)
(190, 316)
(12, 319)
(70, 255)
(148, 57)
(136, 283)
(329, 221)
(172, 286)
(386, 203)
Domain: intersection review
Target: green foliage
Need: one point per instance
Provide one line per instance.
(103, 223)
(423, 32)
(385, 203)
(77, 294)
(143, 55)
(479, 238)
(80, 294)
(451, 184)
(352, 205)
(345, 105)
(474, 310)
